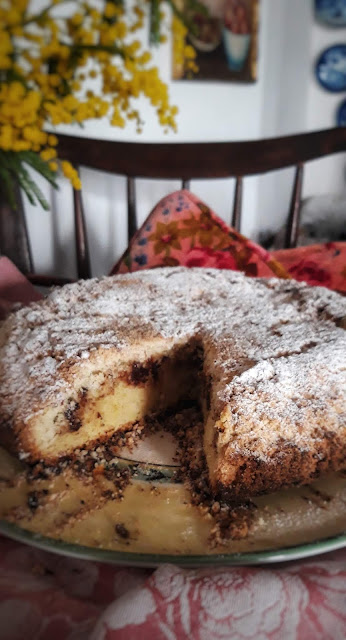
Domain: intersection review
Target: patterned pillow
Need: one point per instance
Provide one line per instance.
(182, 230)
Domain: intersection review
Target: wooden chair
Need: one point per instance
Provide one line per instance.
(184, 161)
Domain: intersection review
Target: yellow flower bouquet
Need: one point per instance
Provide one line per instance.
(67, 63)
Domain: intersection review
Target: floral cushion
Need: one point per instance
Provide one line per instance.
(318, 264)
(183, 230)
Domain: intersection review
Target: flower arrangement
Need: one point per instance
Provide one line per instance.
(68, 63)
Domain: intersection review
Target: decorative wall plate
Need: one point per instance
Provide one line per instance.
(341, 115)
(331, 68)
(331, 12)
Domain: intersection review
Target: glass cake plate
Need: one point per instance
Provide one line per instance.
(155, 522)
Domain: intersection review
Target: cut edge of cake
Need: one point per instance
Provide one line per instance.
(107, 394)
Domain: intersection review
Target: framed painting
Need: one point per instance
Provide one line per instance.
(224, 35)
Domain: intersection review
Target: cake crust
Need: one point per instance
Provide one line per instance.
(274, 368)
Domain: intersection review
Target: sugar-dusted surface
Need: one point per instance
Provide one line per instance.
(292, 397)
(272, 348)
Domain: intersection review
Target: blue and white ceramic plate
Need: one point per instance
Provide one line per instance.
(331, 12)
(331, 68)
(341, 115)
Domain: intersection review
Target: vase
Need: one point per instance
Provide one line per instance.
(236, 48)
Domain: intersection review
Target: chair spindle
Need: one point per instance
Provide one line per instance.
(14, 237)
(292, 226)
(82, 249)
(237, 204)
(131, 208)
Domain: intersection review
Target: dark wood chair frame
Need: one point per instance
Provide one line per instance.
(183, 161)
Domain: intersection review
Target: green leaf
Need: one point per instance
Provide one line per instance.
(154, 26)
(94, 48)
(13, 76)
(26, 188)
(32, 189)
(35, 161)
(7, 187)
(185, 15)
(196, 7)
(12, 169)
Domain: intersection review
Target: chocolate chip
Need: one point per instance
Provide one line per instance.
(139, 373)
(74, 423)
(33, 502)
(122, 531)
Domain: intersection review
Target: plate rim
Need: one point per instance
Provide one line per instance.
(136, 559)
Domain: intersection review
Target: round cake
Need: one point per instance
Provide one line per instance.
(266, 360)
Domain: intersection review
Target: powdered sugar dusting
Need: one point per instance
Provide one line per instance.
(293, 398)
(273, 338)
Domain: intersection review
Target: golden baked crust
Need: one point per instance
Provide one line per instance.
(274, 367)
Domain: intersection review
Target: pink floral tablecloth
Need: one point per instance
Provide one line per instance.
(49, 597)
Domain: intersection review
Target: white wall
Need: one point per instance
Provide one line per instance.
(321, 111)
(284, 100)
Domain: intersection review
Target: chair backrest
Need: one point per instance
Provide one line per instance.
(183, 161)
